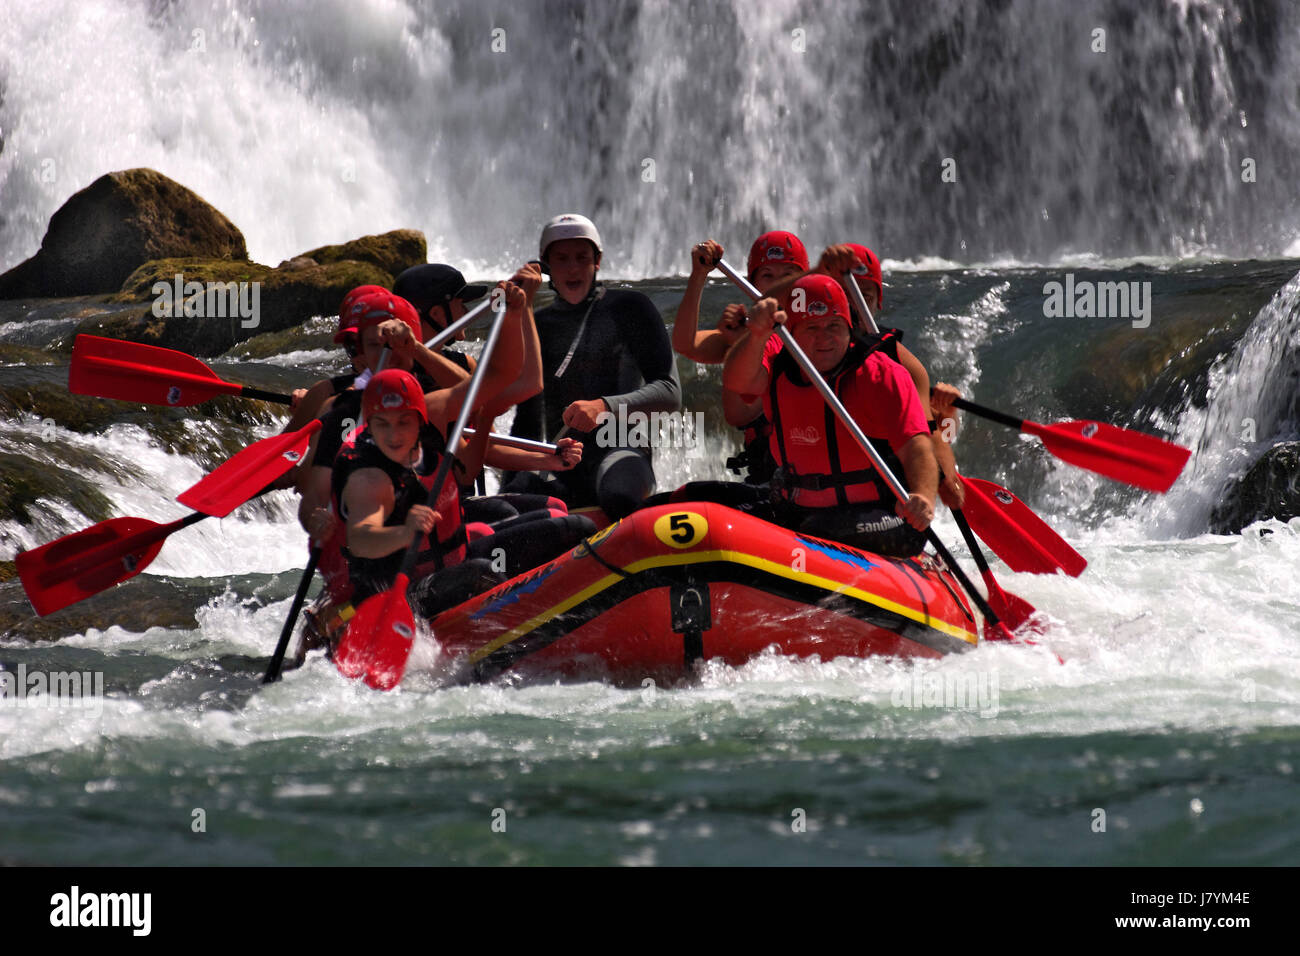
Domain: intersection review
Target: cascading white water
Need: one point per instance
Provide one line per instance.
(668, 121)
(1251, 406)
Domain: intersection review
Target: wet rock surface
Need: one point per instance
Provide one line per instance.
(120, 221)
(1271, 489)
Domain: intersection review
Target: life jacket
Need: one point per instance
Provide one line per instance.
(447, 543)
(819, 463)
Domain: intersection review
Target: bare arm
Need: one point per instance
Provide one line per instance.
(917, 456)
(709, 348)
(368, 498)
(743, 371)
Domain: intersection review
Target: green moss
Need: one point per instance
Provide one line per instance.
(136, 605)
(392, 251)
(23, 355)
(209, 444)
(139, 285)
(23, 482)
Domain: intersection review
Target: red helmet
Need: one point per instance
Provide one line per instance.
(347, 320)
(870, 267)
(376, 307)
(393, 390)
(821, 296)
(777, 247)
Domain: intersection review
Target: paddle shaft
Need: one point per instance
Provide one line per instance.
(896, 486)
(980, 562)
(860, 302)
(277, 659)
(466, 409)
(1000, 417)
(510, 441)
(447, 333)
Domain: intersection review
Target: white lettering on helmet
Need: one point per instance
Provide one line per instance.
(392, 400)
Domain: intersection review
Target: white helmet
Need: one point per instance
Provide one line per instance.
(570, 226)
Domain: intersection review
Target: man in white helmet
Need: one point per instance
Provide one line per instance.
(601, 349)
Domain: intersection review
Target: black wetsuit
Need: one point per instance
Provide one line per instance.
(624, 356)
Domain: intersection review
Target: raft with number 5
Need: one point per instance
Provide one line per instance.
(669, 586)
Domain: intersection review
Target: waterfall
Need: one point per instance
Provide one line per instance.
(1012, 130)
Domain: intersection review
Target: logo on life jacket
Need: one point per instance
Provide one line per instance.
(806, 436)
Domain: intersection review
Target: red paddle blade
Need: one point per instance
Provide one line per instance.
(378, 640)
(1014, 611)
(1015, 533)
(243, 476)
(1119, 453)
(79, 565)
(111, 368)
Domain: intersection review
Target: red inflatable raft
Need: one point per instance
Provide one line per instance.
(654, 593)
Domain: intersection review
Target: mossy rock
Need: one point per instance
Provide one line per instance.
(392, 251)
(8, 571)
(104, 232)
(316, 333)
(285, 299)
(139, 285)
(208, 447)
(137, 605)
(11, 354)
(23, 482)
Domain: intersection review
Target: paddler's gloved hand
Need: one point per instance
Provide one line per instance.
(918, 511)
(584, 416)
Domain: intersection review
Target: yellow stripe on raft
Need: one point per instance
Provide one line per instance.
(736, 557)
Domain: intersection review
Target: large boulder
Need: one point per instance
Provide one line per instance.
(394, 252)
(1271, 489)
(116, 224)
